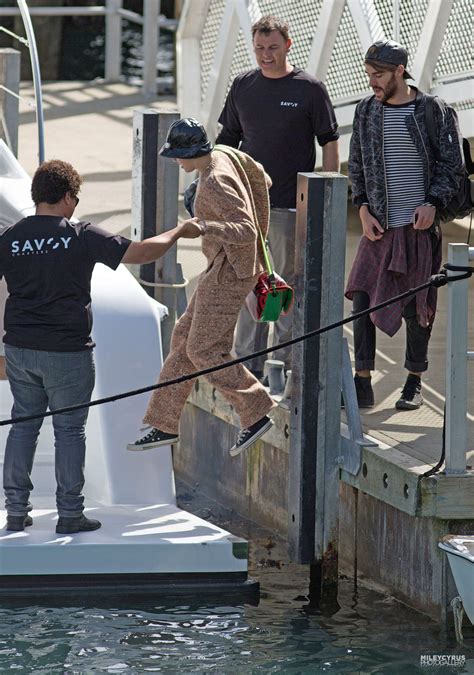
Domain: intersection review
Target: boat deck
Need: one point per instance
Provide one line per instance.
(134, 539)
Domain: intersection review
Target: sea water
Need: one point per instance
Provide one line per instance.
(283, 632)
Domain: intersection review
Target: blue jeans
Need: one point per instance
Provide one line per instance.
(39, 380)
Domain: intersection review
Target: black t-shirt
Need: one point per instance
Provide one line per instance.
(47, 263)
(275, 121)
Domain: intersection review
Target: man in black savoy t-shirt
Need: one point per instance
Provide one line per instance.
(47, 262)
(274, 113)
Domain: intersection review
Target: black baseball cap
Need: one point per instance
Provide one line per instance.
(389, 51)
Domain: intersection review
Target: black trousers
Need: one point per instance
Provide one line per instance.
(417, 337)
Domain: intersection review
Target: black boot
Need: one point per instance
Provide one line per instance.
(364, 391)
(18, 523)
(73, 525)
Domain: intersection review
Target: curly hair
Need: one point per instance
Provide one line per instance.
(52, 180)
(269, 23)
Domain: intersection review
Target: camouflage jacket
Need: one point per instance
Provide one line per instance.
(366, 155)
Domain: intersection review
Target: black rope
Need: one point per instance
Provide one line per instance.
(437, 467)
(437, 280)
(459, 268)
(434, 469)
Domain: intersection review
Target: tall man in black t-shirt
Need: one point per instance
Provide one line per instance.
(274, 113)
(47, 262)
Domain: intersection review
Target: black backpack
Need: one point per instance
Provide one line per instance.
(461, 204)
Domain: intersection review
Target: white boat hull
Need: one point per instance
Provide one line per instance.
(460, 552)
(156, 541)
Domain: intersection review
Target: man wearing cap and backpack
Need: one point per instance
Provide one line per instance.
(401, 184)
(231, 202)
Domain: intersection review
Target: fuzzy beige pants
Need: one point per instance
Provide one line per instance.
(203, 338)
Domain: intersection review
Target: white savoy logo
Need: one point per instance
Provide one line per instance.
(289, 104)
(37, 246)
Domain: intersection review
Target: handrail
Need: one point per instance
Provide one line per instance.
(457, 361)
(35, 68)
(113, 12)
(93, 11)
(98, 10)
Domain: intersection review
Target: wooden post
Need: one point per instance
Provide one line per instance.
(155, 207)
(10, 79)
(316, 373)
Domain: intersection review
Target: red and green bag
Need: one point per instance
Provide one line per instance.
(271, 296)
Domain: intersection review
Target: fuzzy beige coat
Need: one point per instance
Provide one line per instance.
(232, 197)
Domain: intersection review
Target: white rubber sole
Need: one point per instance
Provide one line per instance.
(234, 451)
(406, 405)
(149, 446)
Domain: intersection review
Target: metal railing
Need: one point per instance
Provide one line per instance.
(114, 13)
(35, 68)
(457, 362)
(330, 38)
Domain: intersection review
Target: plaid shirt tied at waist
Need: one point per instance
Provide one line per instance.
(402, 259)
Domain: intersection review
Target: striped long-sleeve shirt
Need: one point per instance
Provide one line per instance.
(403, 166)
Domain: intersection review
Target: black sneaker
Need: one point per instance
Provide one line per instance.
(153, 439)
(364, 391)
(18, 523)
(411, 398)
(248, 436)
(72, 525)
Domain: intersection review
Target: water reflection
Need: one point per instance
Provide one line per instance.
(284, 633)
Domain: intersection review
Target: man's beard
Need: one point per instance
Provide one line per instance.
(390, 89)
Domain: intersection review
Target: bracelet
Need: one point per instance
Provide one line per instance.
(202, 226)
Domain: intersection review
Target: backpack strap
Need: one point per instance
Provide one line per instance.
(431, 124)
(230, 152)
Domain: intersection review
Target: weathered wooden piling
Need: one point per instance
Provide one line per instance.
(155, 207)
